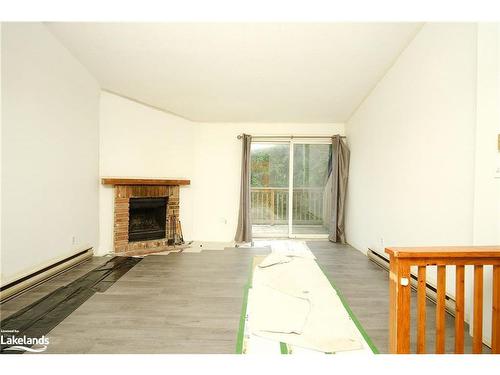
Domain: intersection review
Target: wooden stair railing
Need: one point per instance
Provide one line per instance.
(402, 258)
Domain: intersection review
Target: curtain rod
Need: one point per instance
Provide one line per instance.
(239, 136)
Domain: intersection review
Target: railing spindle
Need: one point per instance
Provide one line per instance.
(477, 338)
(495, 326)
(421, 301)
(459, 309)
(272, 206)
(440, 309)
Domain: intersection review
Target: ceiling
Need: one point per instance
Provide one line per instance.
(240, 72)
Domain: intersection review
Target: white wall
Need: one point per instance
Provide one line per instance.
(140, 141)
(412, 146)
(421, 168)
(486, 224)
(50, 140)
(218, 166)
(486, 219)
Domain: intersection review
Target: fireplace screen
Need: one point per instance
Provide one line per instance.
(147, 219)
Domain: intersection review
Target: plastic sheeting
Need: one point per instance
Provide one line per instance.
(42, 316)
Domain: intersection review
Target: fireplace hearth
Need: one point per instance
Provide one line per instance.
(147, 217)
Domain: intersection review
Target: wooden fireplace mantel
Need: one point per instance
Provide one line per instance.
(143, 181)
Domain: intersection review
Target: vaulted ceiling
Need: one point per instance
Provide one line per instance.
(240, 72)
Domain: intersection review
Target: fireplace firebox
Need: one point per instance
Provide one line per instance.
(147, 219)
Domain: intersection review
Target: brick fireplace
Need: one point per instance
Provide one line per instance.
(146, 213)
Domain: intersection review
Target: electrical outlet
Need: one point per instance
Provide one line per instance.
(382, 243)
(74, 240)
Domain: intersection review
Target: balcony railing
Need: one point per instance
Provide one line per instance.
(269, 205)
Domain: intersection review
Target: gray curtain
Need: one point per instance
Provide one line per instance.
(244, 230)
(340, 172)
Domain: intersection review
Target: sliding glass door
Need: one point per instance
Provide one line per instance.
(290, 189)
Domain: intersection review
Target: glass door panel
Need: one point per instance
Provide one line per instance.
(311, 189)
(269, 187)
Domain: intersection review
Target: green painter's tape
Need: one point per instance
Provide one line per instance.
(241, 328)
(284, 348)
(351, 314)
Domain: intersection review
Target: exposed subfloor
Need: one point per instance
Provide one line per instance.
(366, 288)
(15, 304)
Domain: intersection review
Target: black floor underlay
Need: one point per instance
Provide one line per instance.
(39, 318)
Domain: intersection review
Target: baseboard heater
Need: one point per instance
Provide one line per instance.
(430, 290)
(29, 281)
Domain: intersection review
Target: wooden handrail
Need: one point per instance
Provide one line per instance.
(402, 258)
